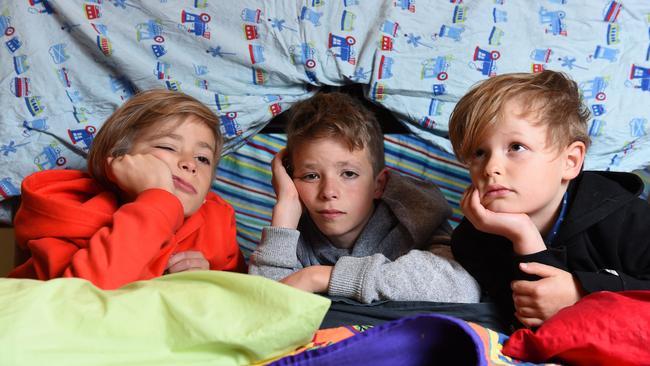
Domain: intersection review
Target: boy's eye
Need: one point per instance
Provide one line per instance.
(309, 176)
(162, 147)
(517, 147)
(349, 174)
(203, 160)
(478, 154)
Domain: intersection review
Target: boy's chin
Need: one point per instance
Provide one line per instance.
(500, 207)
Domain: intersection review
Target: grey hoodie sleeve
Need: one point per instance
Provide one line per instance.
(275, 257)
(419, 275)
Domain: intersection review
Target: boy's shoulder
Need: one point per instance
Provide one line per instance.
(595, 195)
(216, 204)
(610, 182)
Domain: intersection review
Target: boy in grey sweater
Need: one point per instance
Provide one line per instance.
(345, 225)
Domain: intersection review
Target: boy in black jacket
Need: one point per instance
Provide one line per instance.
(539, 233)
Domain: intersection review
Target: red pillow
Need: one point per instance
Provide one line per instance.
(603, 328)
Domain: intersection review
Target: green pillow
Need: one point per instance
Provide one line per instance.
(190, 318)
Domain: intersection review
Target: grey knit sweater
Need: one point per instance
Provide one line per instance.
(403, 252)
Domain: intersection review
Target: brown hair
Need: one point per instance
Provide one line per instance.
(115, 137)
(336, 115)
(550, 96)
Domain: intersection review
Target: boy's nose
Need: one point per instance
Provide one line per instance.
(493, 167)
(188, 166)
(328, 190)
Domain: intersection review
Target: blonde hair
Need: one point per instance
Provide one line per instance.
(551, 97)
(336, 115)
(116, 136)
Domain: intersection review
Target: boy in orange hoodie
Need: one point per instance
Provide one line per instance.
(143, 209)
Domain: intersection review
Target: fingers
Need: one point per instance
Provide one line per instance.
(138, 172)
(464, 200)
(527, 310)
(277, 159)
(189, 265)
(523, 294)
(471, 204)
(539, 269)
(278, 162)
(281, 179)
(522, 287)
(187, 261)
(530, 322)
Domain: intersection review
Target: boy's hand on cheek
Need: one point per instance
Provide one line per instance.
(536, 301)
(314, 279)
(517, 227)
(137, 173)
(288, 208)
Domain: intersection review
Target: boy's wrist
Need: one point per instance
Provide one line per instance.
(528, 242)
(285, 217)
(321, 277)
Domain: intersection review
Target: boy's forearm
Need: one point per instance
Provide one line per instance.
(527, 241)
(284, 215)
(417, 275)
(275, 257)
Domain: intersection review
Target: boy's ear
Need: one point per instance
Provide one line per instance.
(380, 183)
(575, 157)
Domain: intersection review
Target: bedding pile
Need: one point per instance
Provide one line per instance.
(197, 318)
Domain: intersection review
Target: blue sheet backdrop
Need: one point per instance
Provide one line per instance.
(66, 65)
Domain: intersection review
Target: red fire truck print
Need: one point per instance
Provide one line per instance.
(250, 32)
(275, 109)
(93, 11)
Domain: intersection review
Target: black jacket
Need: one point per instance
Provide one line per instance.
(604, 241)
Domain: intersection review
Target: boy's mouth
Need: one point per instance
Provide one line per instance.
(330, 214)
(496, 190)
(182, 185)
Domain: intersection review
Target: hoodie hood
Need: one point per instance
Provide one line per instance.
(418, 205)
(594, 195)
(62, 203)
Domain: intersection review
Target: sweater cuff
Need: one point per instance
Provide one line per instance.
(165, 203)
(278, 241)
(348, 277)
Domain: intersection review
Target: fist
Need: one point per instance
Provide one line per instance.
(136, 173)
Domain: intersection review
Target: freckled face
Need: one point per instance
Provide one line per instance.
(337, 187)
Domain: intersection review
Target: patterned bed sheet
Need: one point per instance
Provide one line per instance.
(67, 64)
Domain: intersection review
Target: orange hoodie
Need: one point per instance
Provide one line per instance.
(74, 228)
